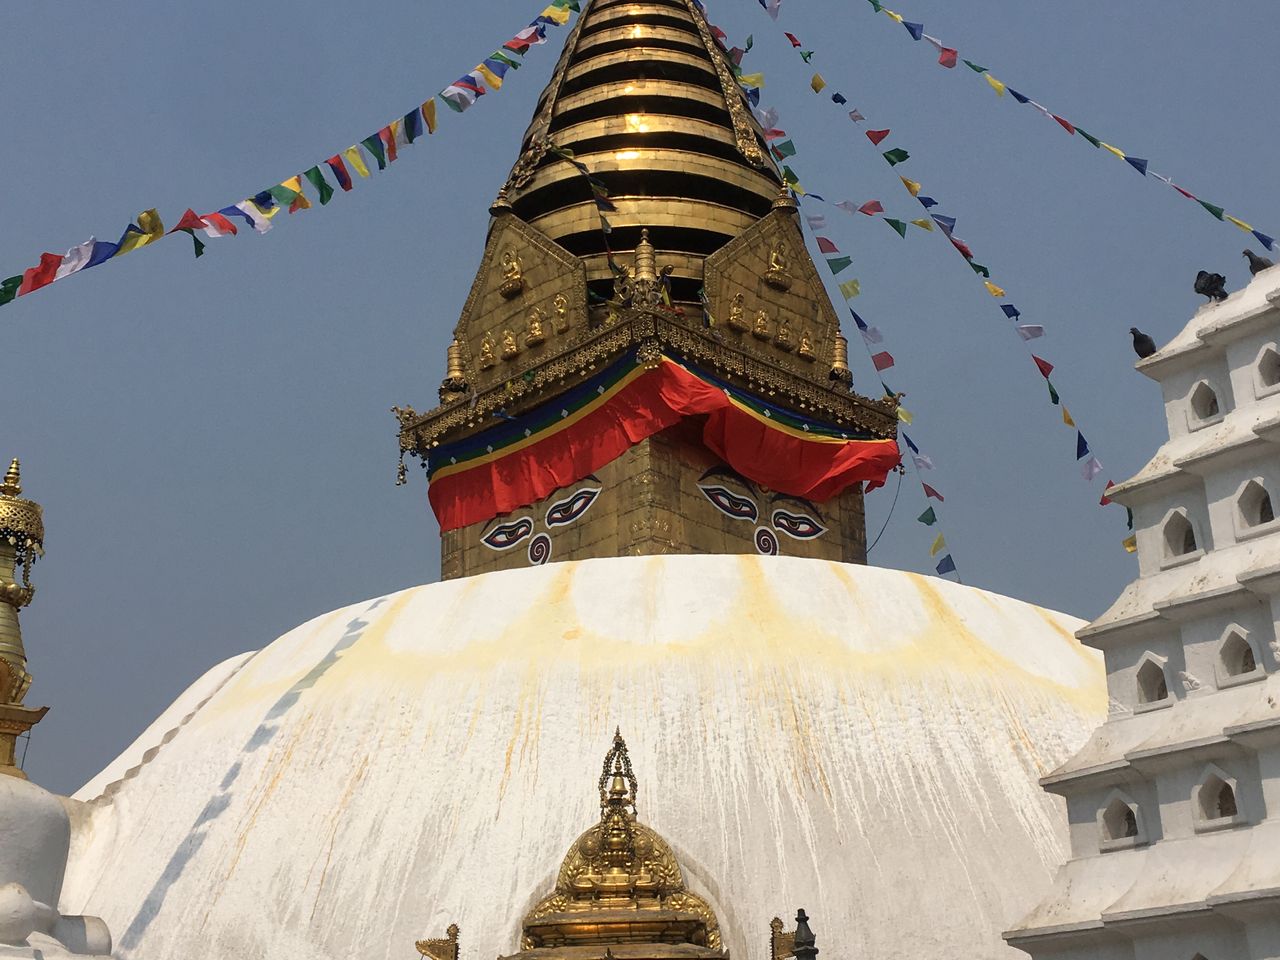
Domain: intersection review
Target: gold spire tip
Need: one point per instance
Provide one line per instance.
(12, 485)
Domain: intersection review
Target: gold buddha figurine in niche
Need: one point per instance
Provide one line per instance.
(510, 349)
(805, 352)
(487, 359)
(782, 340)
(512, 274)
(737, 312)
(561, 305)
(537, 334)
(777, 275)
(760, 330)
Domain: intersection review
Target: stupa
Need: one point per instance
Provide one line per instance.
(648, 466)
(1172, 805)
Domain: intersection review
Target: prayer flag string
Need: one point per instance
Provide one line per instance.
(1090, 466)
(257, 211)
(948, 57)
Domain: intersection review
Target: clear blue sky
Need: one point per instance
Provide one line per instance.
(211, 439)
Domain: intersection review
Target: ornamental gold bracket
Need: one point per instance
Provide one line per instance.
(442, 948)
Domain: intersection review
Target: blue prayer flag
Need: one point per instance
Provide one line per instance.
(1017, 96)
(914, 448)
(927, 202)
(101, 251)
(1010, 311)
(1138, 164)
(946, 565)
(915, 29)
(1082, 446)
(862, 325)
(1263, 239)
(838, 98)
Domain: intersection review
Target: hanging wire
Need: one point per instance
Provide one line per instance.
(893, 506)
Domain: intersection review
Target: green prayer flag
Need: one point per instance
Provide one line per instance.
(1053, 394)
(1129, 519)
(282, 194)
(751, 41)
(875, 4)
(320, 183)
(784, 149)
(897, 225)
(503, 58)
(896, 156)
(789, 176)
(196, 240)
(928, 518)
(850, 289)
(806, 55)
(838, 263)
(1089, 136)
(1216, 211)
(9, 289)
(374, 146)
(974, 67)
(980, 269)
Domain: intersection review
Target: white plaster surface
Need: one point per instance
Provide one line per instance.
(861, 742)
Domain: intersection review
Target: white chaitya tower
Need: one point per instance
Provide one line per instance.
(1174, 804)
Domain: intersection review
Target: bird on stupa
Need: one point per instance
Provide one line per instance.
(1256, 263)
(1143, 345)
(1211, 285)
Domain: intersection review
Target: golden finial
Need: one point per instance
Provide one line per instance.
(646, 259)
(12, 485)
(501, 204)
(785, 200)
(840, 362)
(455, 375)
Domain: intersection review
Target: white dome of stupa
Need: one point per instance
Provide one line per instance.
(861, 742)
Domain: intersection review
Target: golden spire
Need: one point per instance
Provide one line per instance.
(21, 541)
(454, 384)
(620, 884)
(840, 371)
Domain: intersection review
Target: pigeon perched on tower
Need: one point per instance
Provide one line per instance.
(1143, 345)
(1256, 263)
(1211, 285)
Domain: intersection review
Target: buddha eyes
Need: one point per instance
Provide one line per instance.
(507, 535)
(797, 525)
(726, 501)
(571, 508)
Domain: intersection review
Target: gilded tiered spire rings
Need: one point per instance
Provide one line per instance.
(21, 541)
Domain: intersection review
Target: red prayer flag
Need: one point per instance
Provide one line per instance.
(876, 136)
(948, 57)
(930, 492)
(871, 208)
(190, 221)
(340, 172)
(826, 246)
(774, 134)
(1189, 196)
(389, 142)
(42, 274)
(963, 248)
(792, 38)
(1044, 366)
(1065, 124)
(219, 223)
(1106, 501)
(882, 360)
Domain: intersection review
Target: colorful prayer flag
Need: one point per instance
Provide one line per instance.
(1010, 311)
(871, 208)
(946, 565)
(320, 183)
(928, 518)
(77, 258)
(1082, 445)
(996, 85)
(1138, 164)
(9, 289)
(817, 83)
(43, 273)
(1053, 394)
(913, 186)
(376, 149)
(882, 361)
(1115, 150)
(1030, 331)
(357, 162)
(1239, 223)
(1092, 468)
(836, 264)
(850, 289)
(932, 494)
(915, 29)
(792, 37)
(1066, 418)
(877, 136)
(948, 57)
(1130, 543)
(339, 171)
(1044, 366)
(429, 115)
(897, 225)
(216, 225)
(993, 289)
(816, 221)
(1212, 208)
(974, 67)
(938, 544)
(784, 149)
(924, 223)
(855, 115)
(838, 98)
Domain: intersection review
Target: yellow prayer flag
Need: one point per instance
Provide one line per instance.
(396, 136)
(429, 114)
(850, 289)
(493, 79)
(1239, 223)
(924, 223)
(293, 183)
(1130, 543)
(817, 83)
(1118, 153)
(905, 416)
(357, 162)
(996, 85)
(151, 227)
(938, 545)
(751, 80)
(1066, 417)
(894, 16)
(913, 186)
(267, 212)
(993, 289)
(559, 15)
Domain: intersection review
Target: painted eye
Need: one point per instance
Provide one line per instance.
(728, 502)
(571, 508)
(797, 525)
(507, 535)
